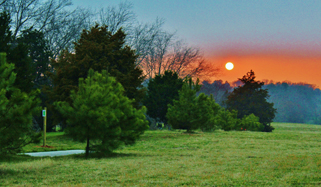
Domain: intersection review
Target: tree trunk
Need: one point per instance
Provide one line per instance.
(87, 148)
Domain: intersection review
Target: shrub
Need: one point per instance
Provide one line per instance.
(251, 122)
(227, 120)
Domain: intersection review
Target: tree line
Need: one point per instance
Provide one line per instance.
(295, 102)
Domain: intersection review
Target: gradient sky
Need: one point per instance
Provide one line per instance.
(279, 40)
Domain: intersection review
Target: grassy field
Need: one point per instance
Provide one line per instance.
(290, 156)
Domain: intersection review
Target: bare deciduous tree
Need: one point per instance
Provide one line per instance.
(158, 49)
(166, 53)
(117, 17)
(60, 25)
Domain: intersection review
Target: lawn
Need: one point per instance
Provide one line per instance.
(290, 156)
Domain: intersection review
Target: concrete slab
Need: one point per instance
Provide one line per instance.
(55, 153)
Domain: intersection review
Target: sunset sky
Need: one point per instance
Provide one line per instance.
(279, 40)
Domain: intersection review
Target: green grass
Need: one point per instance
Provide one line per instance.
(55, 141)
(290, 156)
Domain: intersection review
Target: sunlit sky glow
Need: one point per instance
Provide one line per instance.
(278, 40)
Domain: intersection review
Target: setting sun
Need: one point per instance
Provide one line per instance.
(229, 66)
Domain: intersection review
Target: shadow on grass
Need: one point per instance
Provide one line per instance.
(13, 159)
(16, 158)
(6, 171)
(101, 156)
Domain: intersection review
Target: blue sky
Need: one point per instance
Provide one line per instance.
(230, 29)
(256, 24)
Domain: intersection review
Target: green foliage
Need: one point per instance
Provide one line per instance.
(227, 120)
(252, 99)
(17, 54)
(251, 122)
(162, 90)
(182, 114)
(101, 115)
(24, 67)
(38, 50)
(15, 112)
(190, 112)
(97, 49)
(207, 109)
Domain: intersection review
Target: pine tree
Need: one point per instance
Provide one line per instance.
(252, 99)
(15, 112)
(207, 109)
(162, 90)
(191, 112)
(101, 114)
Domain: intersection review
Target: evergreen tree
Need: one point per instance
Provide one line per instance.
(97, 49)
(17, 53)
(252, 99)
(38, 50)
(191, 112)
(5, 33)
(101, 114)
(15, 112)
(162, 90)
(24, 68)
(207, 109)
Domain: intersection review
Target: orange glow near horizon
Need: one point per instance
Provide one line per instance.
(277, 68)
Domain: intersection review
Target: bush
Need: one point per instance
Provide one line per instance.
(251, 122)
(227, 120)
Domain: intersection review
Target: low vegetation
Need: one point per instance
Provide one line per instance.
(290, 156)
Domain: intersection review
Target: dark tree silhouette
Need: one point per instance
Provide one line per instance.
(97, 49)
(252, 99)
(17, 54)
(162, 90)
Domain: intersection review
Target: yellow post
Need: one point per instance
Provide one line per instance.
(44, 115)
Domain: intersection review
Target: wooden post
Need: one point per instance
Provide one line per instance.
(44, 115)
